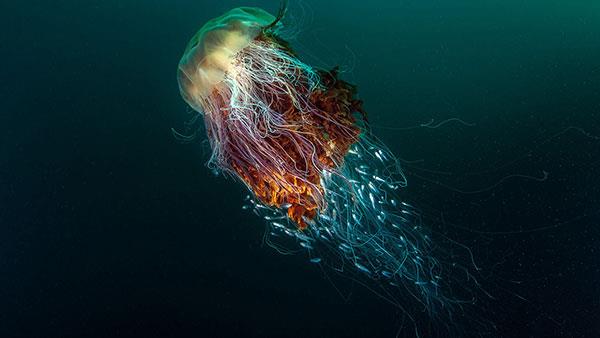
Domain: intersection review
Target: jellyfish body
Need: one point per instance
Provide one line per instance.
(297, 137)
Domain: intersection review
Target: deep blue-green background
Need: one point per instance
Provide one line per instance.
(109, 227)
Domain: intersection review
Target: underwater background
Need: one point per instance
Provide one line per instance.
(109, 226)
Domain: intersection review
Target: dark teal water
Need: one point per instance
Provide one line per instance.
(110, 227)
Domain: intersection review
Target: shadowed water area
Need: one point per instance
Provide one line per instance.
(110, 226)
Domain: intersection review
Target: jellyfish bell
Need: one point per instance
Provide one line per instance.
(208, 56)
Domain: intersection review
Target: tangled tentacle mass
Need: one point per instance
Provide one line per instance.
(298, 138)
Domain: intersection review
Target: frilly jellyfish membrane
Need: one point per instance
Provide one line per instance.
(298, 138)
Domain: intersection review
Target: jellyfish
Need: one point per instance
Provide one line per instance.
(299, 139)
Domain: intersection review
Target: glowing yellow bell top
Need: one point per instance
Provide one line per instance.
(207, 56)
